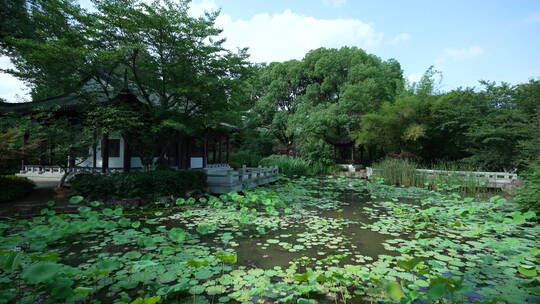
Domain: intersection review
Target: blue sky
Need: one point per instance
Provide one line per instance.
(466, 40)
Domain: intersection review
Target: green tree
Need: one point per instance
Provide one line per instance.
(324, 95)
(174, 63)
(282, 87)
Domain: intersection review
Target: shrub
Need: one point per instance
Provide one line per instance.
(247, 158)
(290, 166)
(529, 192)
(14, 187)
(139, 184)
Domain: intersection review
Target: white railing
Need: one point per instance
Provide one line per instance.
(56, 171)
(221, 177)
(488, 179)
(216, 166)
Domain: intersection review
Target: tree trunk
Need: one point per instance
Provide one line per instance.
(64, 177)
(105, 153)
(205, 151)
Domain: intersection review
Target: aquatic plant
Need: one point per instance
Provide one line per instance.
(431, 246)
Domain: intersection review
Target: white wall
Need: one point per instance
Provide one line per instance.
(196, 162)
(114, 162)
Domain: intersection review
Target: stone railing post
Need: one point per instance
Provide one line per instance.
(241, 172)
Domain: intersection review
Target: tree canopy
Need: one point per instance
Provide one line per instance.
(188, 83)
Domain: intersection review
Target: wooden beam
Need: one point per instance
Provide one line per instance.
(104, 152)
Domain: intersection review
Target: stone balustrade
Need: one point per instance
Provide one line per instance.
(226, 179)
(221, 177)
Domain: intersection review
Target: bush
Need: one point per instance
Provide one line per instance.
(289, 166)
(244, 158)
(139, 184)
(529, 192)
(14, 187)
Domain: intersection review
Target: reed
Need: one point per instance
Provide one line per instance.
(290, 166)
(404, 173)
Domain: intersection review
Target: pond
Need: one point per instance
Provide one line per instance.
(307, 240)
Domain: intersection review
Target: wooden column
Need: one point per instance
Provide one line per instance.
(104, 152)
(127, 156)
(176, 154)
(188, 153)
(214, 150)
(205, 151)
(71, 160)
(228, 148)
(220, 151)
(182, 148)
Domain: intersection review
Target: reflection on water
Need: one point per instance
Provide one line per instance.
(356, 243)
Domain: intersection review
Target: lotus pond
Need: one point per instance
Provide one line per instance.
(308, 240)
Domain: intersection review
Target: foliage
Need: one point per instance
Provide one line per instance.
(14, 187)
(493, 128)
(174, 64)
(403, 172)
(240, 158)
(13, 147)
(398, 126)
(62, 140)
(290, 166)
(529, 192)
(321, 95)
(417, 245)
(399, 172)
(139, 184)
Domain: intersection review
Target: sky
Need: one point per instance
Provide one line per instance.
(466, 40)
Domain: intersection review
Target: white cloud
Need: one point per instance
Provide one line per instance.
(414, 77)
(288, 35)
(472, 51)
(11, 88)
(457, 54)
(335, 3)
(198, 8)
(399, 38)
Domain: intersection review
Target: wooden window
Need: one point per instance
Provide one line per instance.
(114, 147)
